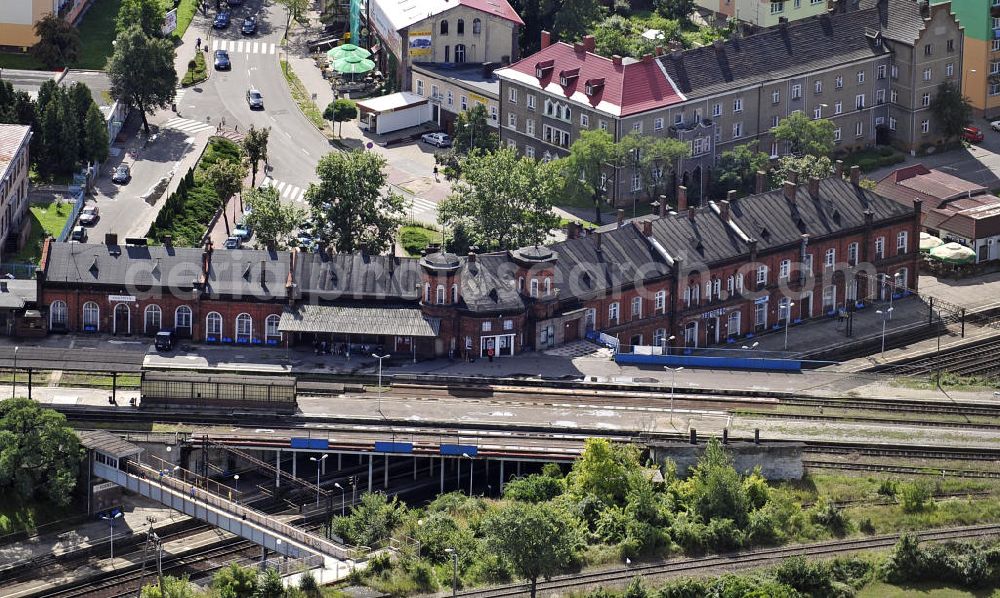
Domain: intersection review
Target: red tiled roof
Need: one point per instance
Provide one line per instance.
(499, 8)
(628, 88)
(934, 187)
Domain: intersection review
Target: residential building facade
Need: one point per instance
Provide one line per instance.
(18, 18)
(980, 75)
(455, 88)
(14, 166)
(765, 13)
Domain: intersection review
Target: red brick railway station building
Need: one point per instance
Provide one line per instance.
(704, 276)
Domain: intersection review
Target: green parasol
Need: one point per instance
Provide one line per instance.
(345, 50)
(353, 65)
(928, 242)
(953, 253)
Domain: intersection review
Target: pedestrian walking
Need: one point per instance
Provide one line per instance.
(197, 44)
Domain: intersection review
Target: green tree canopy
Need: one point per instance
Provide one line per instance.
(590, 157)
(573, 18)
(807, 166)
(675, 9)
(254, 146)
(16, 106)
(39, 454)
(539, 540)
(141, 71)
(533, 488)
(352, 210)
(370, 522)
(295, 8)
(805, 135)
(94, 140)
(473, 131)
(654, 158)
(504, 201)
(58, 42)
(340, 110)
(951, 109)
(147, 14)
(273, 221)
(234, 581)
(603, 470)
(737, 169)
(717, 488)
(226, 178)
(173, 587)
(270, 585)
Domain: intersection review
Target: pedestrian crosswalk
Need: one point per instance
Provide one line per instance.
(416, 205)
(242, 46)
(187, 125)
(179, 95)
(286, 190)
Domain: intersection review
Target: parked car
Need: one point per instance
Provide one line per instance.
(89, 215)
(995, 125)
(436, 139)
(122, 175)
(249, 26)
(243, 231)
(233, 243)
(164, 340)
(222, 61)
(221, 20)
(79, 234)
(255, 99)
(972, 134)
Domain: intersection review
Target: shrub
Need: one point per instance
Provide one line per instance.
(830, 516)
(809, 577)
(534, 488)
(887, 487)
(866, 526)
(915, 497)
(636, 589)
(414, 240)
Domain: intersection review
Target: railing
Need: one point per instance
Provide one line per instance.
(263, 520)
(78, 201)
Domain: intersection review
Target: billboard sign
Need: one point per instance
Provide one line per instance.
(421, 43)
(170, 22)
(384, 28)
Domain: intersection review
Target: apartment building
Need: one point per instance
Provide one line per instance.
(455, 88)
(18, 18)
(14, 142)
(980, 74)
(765, 13)
(863, 69)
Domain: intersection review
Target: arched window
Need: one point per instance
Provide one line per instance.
(459, 53)
(548, 286)
(244, 328)
(460, 27)
(213, 326)
(477, 26)
(272, 336)
(427, 292)
(182, 320)
(444, 27)
(440, 295)
(91, 316)
(154, 316)
(534, 287)
(454, 293)
(57, 315)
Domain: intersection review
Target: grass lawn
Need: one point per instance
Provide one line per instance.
(415, 238)
(196, 74)
(16, 516)
(97, 30)
(185, 13)
(922, 590)
(46, 219)
(302, 97)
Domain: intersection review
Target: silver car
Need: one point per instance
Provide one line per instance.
(436, 139)
(255, 99)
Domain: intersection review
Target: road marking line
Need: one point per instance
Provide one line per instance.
(255, 47)
(239, 46)
(215, 44)
(271, 51)
(281, 185)
(288, 192)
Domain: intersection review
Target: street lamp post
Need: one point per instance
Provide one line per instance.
(666, 343)
(380, 358)
(13, 383)
(341, 488)
(319, 463)
(110, 518)
(454, 570)
(788, 321)
(466, 455)
(673, 383)
(885, 316)
(236, 478)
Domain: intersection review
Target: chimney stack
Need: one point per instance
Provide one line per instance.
(760, 185)
(855, 175)
(724, 208)
(621, 217)
(168, 240)
(572, 230)
(647, 58)
(813, 187)
(793, 177)
(838, 169)
(616, 60)
(647, 228)
(691, 212)
(663, 206)
(682, 198)
(578, 47)
(546, 39)
(789, 189)
(589, 43)
(472, 257)
(659, 50)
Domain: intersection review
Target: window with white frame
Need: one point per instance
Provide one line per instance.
(796, 91)
(829, 298)
(529, 126)
(880, 247)
(637, 126)
(454, 293)
(894, 71)
(775, 119)
(760, 315)
(450, 98)
(213, 326)
(838, 82)
(901, 240)
(487, 326)
(91, 316)
(817, 112)
(739, 281)
(861, 76)
(925, 100)
(464, 103)
(271, 332)
(439, 295)
(994, 89)
(603, 125)
(636, 307)
(585, 121)
(784, 269)
(761, 275)
(775, 96)
(830, 258)
(738, 105)
(859, 101)
(852, 254)
(678, 119)
(534, 287)
(818, 87)
(893, 95)
(859, 129)
(737, 130)
(777, 7)
(701, 145)
(512, 120)
(512, 95)
(613, 312)
(529, 100)
(658, 124)
(529, 151)
(837, 136)
(879, 96)
(636, 182)
(949, 70)
(807, 264)
(892, 124)
(494, 113)
(927, 74)
(995, 45)
(244, 328)
(420, 87)
(925, 126)
(660, 301)
(153, 319)
(717, 110)
(880, 69)
(182, 319)
(508, 324)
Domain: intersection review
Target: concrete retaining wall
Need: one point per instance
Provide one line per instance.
(777, 461)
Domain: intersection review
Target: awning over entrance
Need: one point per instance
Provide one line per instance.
(362, 321)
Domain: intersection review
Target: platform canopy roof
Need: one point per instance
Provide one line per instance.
(362, 321)
(107, 443)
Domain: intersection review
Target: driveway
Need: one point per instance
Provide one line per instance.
(979, 163)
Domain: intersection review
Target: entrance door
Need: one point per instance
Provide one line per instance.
(805, 306)
(571, 331)
(712, 331)
(123, 319)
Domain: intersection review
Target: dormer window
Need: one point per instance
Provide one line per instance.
(593, 86)
(568, 77)
(543, 68)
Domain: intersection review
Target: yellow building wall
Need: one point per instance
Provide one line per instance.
(17, 35)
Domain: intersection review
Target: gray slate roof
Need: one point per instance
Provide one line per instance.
(341, 319)
(107, 443)
(357, 276)
(704, 240)
(18, 293)
(625, 256)
(788, 51)
(488, 284)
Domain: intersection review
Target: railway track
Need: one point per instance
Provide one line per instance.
(902, 469)
(870, 420)
(904, 452)
(979, 360)
(726, 562)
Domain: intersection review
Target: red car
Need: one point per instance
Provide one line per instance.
(972, 134)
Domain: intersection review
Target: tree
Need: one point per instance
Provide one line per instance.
(80, 101)
(594, 152)
(94, 139)
(340, 110)
(602, 471)
(16, 106)
(675, 9)
(534, 488)
(269, 585)
(39, 454)
(805, 167)
(371, 522)
(59, 146)
(141, 71)
(226, 178)
(271, 220)
(806, 135)
(147, 14)
(539, 540)
(234, 581)
(573, 18)
(717, 490)
(654, 159)
(504, 201)
(738, 167)
(951, 109)
(352, 210)
(295, 10)
(473, 131)
(255, 147)
(173, 587)
(58, 42)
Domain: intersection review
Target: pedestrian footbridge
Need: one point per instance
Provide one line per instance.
(116, 460)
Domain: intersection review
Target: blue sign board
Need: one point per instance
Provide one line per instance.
(393, 447)
(458, 449)
(312, 444)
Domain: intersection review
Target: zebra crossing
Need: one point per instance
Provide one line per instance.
(192, 127)
(242, 46)
(286, 190)
(179, 94)
(416, 205)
